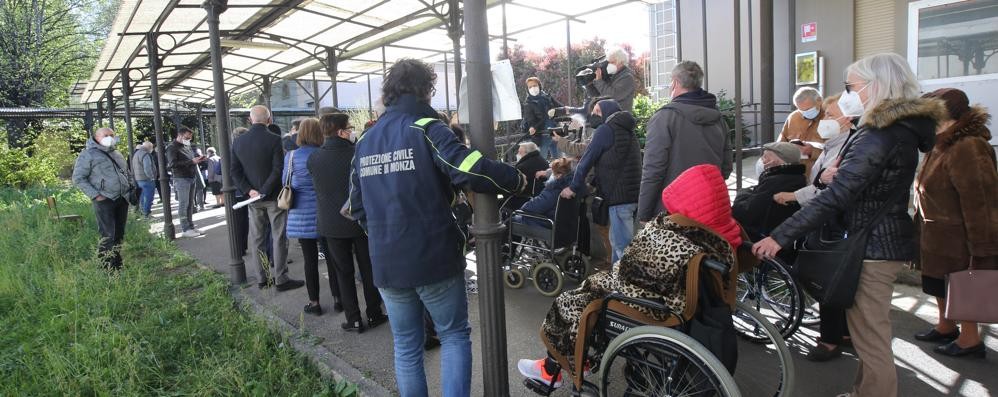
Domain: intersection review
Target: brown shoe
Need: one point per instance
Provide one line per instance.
(821, 353)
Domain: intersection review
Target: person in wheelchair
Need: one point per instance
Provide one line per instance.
(546, 201)
(653, 266)
(754, 208)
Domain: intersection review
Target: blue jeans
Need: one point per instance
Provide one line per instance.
(447, 303)
(145, 201)
(621, 228)
(549, 149)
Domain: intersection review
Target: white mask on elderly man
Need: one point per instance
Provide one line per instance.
(611, 68)
(518, 157)
(108, 141)
(811, 113)
(534, 91)
(760, 167)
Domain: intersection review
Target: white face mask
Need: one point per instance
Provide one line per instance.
(611, 68)
(851, 104)
(759, 167)
(811, 113)
(108, 141)
(186, 142)
(518, 157)
(534, 91)
(828, 129)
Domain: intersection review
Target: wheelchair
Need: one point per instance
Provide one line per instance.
(637, 355)
(548, 253)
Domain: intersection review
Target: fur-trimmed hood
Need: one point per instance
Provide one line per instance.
(891, 111)
(973, 123)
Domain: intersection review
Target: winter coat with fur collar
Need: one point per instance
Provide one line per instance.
(956, 198)
(877, 165)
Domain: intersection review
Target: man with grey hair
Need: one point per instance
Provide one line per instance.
(257, 161)
(530, 162)
(689, 131)
(100, 174)
(801, 127)
(146, 174)
(620, 84)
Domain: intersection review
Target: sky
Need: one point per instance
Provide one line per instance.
(623, 24)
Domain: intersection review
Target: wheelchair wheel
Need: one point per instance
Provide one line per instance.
(811, 314)
(659, 361)
(547, 279)
(513, 278)
(575, 265)
(771, 290)
(772, 371)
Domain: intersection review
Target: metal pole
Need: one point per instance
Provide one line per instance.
(454, 32)
(332, 69)
(751, 68)
(88, 121)
(679, 31)
(792, 36)
(738, 91)
(505, 44)
(767, 78)
(237, 269)
(384, 64)
(487, 228)
(315, 94)
(157, 125)
(200, 117)
(110, 108)
(370, 99)
(100, 112)
(446, 85)
(126, 90)
(265, 91)
(568, 62)
(703, 21)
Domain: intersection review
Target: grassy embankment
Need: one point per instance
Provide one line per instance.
(160, 327)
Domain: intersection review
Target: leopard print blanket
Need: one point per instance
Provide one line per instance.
(653, 267)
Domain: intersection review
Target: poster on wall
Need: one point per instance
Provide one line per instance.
(809, 32)
(806, 68)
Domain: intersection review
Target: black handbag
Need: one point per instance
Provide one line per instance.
(829, 269)
(601, 211)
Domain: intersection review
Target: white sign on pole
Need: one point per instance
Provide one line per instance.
(505, 102)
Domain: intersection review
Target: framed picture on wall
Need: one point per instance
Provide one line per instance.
(806, 68)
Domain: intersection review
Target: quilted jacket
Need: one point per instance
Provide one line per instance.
(878, 161)
(700, 194)
(301, 217)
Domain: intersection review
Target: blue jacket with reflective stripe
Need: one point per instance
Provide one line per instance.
(401, 193)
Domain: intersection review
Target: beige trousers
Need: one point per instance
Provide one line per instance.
(870, 328)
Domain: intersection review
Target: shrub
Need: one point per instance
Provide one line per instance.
(20, 171)
(644, 108)
(54, 146)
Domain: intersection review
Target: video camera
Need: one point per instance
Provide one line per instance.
(564, 126)
(586, 74)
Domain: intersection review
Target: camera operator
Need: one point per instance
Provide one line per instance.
(620, 84)
(536, 119)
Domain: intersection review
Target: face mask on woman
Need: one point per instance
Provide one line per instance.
(108, 141)
(811, 113)
(534, 91)
(828, 129)
(851, 104)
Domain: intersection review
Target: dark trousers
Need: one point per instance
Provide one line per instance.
(240, 223)
(833, 326)
(111, 218)
(310, 250)
(342, 252)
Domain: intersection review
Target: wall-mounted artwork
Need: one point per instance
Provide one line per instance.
(807, 68)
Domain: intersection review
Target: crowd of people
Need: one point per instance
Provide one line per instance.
(382, 203)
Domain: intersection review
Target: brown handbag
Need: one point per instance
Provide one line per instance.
(286, 197)
(970, 295)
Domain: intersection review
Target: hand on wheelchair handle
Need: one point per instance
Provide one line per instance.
(767, 248)
(567, 193)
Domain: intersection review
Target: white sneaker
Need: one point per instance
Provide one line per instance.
(189, 234)
(198, 231)
(534, 369)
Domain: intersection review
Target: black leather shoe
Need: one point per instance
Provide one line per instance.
(821, 353)
(290, 285)
(355, 326)
(954, 350)
(313, 309)
(374, 321)
(266, 284)
(935, 336)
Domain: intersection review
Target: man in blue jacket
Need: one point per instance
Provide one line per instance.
(401, 193)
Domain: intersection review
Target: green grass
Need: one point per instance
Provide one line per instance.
(160, 327)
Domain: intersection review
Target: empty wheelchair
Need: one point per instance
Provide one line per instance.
(546, 249)
(635, 354)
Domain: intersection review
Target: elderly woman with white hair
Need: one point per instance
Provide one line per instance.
(875, 171)
(620, 84)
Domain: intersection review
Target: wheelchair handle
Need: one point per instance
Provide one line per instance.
(717, 266)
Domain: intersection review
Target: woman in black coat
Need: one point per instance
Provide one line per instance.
(875, 169)
(330, 169)
(536, 120)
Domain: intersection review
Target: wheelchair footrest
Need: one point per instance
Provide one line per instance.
(538, 387)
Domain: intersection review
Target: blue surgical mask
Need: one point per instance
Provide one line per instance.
(811, 113)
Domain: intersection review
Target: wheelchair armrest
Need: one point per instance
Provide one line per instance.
(661, 306)
(717, 266)
(532, 215)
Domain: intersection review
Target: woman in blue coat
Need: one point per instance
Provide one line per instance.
(302, 215)
(546, 202)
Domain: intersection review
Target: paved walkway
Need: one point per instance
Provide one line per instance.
(921, 372)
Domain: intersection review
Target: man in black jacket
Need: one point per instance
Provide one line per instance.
(257, 161)
(330, 169)
(754, 208)
(529, 161)
(183, 163)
